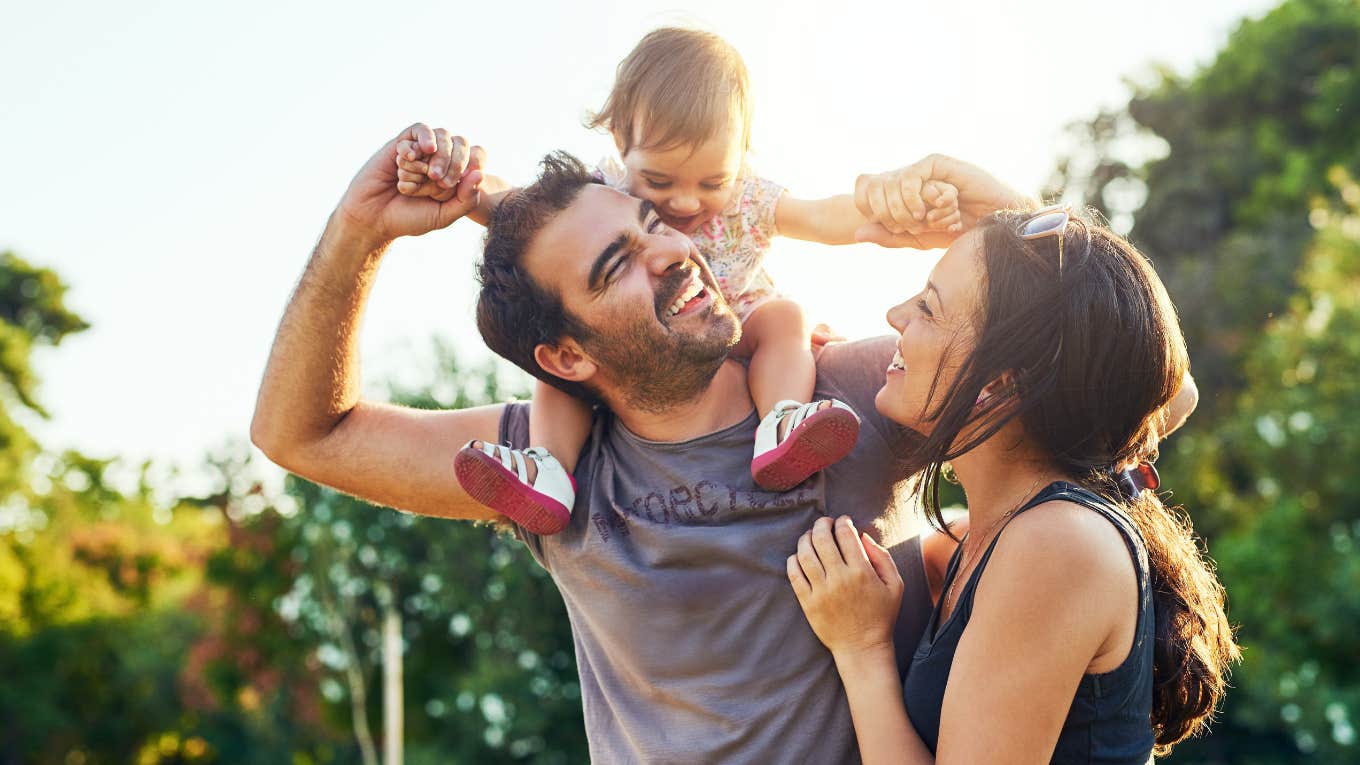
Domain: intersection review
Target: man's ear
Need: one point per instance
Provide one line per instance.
(565, 360)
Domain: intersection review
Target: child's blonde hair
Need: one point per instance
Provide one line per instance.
(678, 87)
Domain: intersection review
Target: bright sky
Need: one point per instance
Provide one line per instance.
(175, 161)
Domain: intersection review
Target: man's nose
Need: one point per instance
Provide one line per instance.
(683, 204)
(897, 316)
(669, 251)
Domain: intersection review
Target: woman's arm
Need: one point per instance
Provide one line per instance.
(894, 202)
(850, 590)
(1058, 599)
(872, 687)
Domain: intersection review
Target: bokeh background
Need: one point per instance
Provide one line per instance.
(167, 596)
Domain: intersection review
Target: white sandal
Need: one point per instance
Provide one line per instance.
(817, 437)
(498, 477)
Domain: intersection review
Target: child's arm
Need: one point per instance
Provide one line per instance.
(415, 178)
(834, 220)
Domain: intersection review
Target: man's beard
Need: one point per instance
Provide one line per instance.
(655, 370)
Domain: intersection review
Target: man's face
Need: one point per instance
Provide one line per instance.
(659, 327)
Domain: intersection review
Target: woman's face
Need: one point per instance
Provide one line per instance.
(937, 333)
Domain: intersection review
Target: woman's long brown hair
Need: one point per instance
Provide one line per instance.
(1090, 352)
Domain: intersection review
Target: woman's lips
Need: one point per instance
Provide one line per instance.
(897, 366)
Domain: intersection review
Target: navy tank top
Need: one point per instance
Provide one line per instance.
(1110, 720)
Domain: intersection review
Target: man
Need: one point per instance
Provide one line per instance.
(689, 641)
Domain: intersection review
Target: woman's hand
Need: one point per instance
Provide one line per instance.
(897, 201)
(848, 585)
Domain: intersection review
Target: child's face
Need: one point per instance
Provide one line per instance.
(688, 184)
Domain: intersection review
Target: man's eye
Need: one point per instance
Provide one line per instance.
(925, 309)
(658, 184)
(653, 225)
(715, 186)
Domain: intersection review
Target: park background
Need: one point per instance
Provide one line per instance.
(167, 596)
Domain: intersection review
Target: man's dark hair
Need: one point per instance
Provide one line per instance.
(514, 313)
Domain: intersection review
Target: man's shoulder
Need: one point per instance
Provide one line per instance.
(862, 362)
(854, 372)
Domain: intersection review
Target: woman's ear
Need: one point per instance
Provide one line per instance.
(565, 360)
(994, 389)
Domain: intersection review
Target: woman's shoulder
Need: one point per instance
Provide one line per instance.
(1064, 552)
(1064, 532)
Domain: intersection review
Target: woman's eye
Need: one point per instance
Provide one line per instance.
(714, 186)
(654, 226)
(658, 184)
(925, 309)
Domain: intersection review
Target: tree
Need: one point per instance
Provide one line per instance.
(1249, 213)
(1248, 141)
(1276, 480)
(485, 644)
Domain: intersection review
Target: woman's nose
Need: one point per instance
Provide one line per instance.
(897, 315)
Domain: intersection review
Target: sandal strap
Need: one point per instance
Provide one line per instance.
(796, 411)
(511, 459)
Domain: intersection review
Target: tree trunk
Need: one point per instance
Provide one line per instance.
(392, 683)
(358, 694)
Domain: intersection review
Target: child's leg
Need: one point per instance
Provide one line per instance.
(797, 440)
(559, 422)
(508, 480)
(782, 366)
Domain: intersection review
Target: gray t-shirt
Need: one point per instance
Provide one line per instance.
(689, 640)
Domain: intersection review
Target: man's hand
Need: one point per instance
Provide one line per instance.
(899, 201)
(375, 208)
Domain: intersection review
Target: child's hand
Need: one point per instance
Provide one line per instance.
(943, 199)
(423, 172)
(892, 201)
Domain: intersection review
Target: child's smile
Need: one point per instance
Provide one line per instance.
(688, 184)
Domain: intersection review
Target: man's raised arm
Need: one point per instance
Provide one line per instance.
(309, 417)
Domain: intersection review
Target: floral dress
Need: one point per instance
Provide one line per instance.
(734, 241)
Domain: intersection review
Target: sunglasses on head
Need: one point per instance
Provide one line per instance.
(1045, 222)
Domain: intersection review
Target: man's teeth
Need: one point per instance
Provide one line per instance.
(898, 363)
(694, 288)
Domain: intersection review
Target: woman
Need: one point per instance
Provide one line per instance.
(1076, 622)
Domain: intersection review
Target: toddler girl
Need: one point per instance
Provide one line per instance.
(680, 115)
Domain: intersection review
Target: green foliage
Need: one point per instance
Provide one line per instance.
(489, 666)
(32, 311)
(1275, 481)
(1249, 141)
(91, 641)
(1250, 215)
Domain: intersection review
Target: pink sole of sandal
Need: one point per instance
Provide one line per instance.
(821, 440)
(486, 480)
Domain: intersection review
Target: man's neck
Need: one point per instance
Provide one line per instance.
(726, 401)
